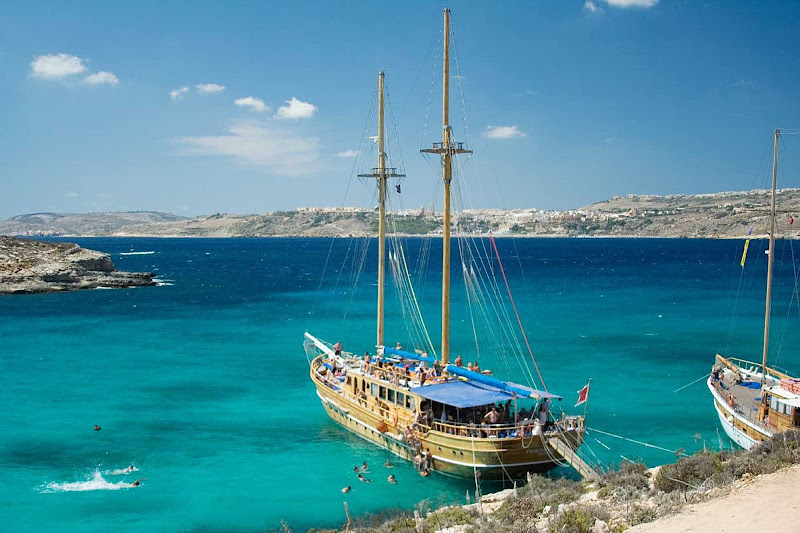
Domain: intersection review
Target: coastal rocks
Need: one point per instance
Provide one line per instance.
(31, 266)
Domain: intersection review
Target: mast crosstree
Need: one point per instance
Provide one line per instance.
(447, 149)
(382, 174)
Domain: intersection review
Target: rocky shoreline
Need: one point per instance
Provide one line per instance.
(28, 266)
(733, 491)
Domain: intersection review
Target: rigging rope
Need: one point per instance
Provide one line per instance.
(676, 452)
(514, 305)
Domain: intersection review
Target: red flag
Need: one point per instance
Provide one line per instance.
(583, 395)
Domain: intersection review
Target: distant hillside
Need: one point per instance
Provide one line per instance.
(68, 224)
(717, 215)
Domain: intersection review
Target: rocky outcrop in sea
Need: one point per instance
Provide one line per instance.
(28, 266)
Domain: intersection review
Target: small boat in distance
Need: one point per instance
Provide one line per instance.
(442, 416)
(133, 252)
(754, 401)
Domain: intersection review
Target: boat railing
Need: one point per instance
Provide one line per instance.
(736, 364)
(513, 429)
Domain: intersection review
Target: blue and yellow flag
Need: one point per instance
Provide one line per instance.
(744, 254)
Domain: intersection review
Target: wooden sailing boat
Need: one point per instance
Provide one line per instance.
(753, 401)
(442, 416)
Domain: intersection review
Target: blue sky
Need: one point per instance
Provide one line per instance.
(592, 99)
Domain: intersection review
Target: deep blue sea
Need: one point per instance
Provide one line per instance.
(202, 383)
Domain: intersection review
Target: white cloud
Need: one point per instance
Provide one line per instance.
(177, 94)
(54, 66)
(745, 83)
(256, 143)
(100, 78)
(256, 104)
(632, 3)
(347, 154)
(591, 7)
(296, 109)
(208, 88)
(103, 195)
(503, 132)
(71, 195)
(527, 92)
(610, 140)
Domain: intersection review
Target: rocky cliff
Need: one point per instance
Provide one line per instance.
(31, 266)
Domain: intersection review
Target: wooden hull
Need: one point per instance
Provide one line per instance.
(494, 458)
(738, 429)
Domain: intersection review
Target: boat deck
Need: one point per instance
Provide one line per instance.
(746, 396)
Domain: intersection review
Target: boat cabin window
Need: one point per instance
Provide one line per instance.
(410, 403)
(373, 389)
(390, 395)
(780, 407)
(382, 392)
(349, 379)
(401, 399)
(364, 385)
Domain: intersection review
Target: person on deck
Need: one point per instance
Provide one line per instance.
(458, 362)
(398, 347)
(493, 416)
(337, 348)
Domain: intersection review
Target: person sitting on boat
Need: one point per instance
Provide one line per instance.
(476, 367)
(469, 366)
(337, 348)
(458, 362)
(398, 347)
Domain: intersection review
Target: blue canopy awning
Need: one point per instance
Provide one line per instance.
(462, 394)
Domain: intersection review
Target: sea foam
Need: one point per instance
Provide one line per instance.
(95, 483)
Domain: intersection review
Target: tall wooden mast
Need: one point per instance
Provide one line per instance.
(771, 257)
(381, 173)
(447, 149)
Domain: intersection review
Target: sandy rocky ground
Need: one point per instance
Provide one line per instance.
(30, 266)
(769, 503)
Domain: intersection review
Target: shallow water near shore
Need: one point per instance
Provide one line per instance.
(202, 382)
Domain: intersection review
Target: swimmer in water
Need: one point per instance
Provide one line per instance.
(346, 489)
(391, 479)
(130, 469)
(356, 469)
(364, 467)
(97, 428)
(388, 464)
(362, 479)
(138, 482)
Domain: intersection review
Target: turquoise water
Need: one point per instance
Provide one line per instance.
(202, 383)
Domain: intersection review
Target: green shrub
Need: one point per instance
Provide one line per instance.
(627, 475)
(687, 473)
(451, 516)
(575, 520)
(543, 491)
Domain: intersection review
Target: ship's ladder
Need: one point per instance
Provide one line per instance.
(568, 454)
